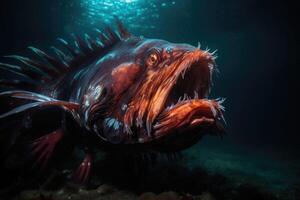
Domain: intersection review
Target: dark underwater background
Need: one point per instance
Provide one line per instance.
(257, 58)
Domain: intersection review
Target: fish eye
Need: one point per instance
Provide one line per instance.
(153, 57)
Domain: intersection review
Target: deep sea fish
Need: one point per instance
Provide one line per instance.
(114, 93)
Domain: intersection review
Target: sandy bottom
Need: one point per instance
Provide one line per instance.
(211, 170)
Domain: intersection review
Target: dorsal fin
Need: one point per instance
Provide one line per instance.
(68, 58)
(122, 30)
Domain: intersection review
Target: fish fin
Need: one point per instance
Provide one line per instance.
(21, 112)
(32, 68)
(36, 101)
(71, 50)
(54, 62)
(82, 173)
(48, 68)
(122, 30)
(43, 147)
(82, 44)
(14, 69)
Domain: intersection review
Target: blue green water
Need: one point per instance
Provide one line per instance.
(136, 14)
(249, 36)
(252, 38)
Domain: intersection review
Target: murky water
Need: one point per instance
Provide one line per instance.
(252, 42)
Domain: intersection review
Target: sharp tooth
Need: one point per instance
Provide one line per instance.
(207, 49)
(198, 87)
(199, 45)
(221, 100)
(214, 52)
(182, 75)
(148, 128)
(138, 124)
(196, 96)
(213, 110)
(179, 100)
(184, 96)
(128, 130)
(223, 118)
(184, 71)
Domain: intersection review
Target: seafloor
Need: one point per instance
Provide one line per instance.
(207, 171)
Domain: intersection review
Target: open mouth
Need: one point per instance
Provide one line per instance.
(180, 98)
(193, 80)
(187, 104)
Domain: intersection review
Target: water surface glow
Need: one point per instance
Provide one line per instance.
(133, 12)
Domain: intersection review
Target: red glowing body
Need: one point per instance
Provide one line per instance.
(114, 93)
